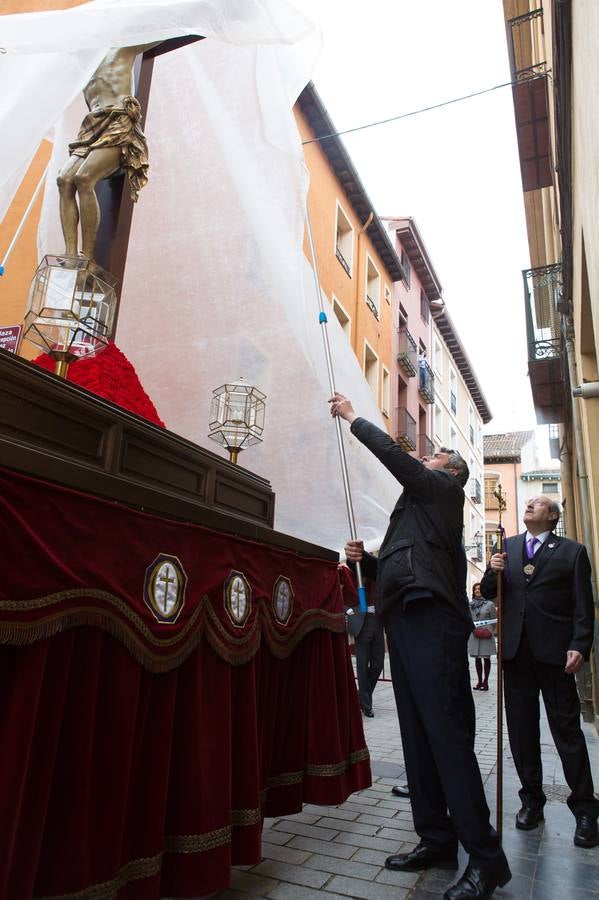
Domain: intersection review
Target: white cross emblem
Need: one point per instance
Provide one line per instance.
(164, 588)
(282, 599)
(237, 598)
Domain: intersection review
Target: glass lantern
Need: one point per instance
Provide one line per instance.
(237, 416)
(71, 309)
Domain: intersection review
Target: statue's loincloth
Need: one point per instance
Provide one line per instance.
(117, 126)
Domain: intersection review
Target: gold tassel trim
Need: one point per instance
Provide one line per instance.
(124, 624)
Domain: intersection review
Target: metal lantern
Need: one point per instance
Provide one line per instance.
(237, 416)
(71, 309)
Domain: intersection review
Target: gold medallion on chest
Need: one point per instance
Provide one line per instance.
(529, 569)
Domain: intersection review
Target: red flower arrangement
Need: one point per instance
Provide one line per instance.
(109, 375)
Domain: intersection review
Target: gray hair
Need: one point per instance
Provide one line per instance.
(553, 507)
(458, 463)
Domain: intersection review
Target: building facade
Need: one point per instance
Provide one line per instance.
(554, 56)
(356, 262)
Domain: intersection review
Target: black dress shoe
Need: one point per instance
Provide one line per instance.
(529, 817)
(400, 790)
(368, 712)
(478, 883)
(423, 857)
(587, 832)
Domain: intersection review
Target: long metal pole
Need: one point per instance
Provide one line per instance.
(322, 318)
(499, 760)
(499, 606)
(24, 218)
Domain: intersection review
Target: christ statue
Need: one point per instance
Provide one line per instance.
(110, 140)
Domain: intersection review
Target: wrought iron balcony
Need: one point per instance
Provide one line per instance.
(531, 98)
(426, 381)
(523, 45)
(543, 331)
(343, 261)
(477, 553)
(407, 356)
(475, 492)
(406, 430)
(425, 446)
(472, 434)
(372, 306)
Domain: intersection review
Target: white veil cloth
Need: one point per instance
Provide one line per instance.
(216, 283)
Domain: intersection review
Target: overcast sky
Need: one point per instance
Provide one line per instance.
(455, 170)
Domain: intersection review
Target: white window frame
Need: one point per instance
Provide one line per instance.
(347, 324)
(438, 419)
(367, 280)
(453, 389)
(438, 357)
(373, 367)
(385, 390)
(347, 242)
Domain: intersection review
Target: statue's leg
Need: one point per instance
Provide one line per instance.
(99, 164)
(69, 211)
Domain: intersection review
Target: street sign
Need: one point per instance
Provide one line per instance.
(9, 337)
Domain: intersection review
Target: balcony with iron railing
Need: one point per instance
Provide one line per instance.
(407, 354)
(343, 260)
(426, 381)
(406, 430)
(425, 446)
(475, 490)
(471, 433)
(475, 549)
(372, 306)
(530, 94)
(543, 330)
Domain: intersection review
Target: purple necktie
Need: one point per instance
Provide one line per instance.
(530, 547)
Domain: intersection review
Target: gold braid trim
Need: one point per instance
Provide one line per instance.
(318, 771)
(247, 816)
(151, 865)
(107, 890)
(198, 843)
(124, 624)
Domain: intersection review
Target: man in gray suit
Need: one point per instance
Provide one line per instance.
(548, 620)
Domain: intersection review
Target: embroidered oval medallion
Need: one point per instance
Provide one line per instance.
(282, 599)
(164, 588)
(238, 595)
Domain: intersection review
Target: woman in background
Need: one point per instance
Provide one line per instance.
(481, 644)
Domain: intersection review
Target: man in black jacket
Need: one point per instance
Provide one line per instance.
(547, 634)
(421, 594)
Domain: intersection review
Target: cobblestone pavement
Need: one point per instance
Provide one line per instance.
(332, 853)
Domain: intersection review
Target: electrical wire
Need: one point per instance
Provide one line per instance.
(416, 112)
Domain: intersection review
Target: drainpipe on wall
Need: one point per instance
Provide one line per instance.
(585, 682)
(360, 233)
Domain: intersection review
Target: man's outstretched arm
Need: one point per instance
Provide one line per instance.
(408, 471)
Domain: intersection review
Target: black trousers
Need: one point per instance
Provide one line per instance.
(429, 666)
(525, 679)
(370, 656)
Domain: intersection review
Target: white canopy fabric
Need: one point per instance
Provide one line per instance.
(216, 284)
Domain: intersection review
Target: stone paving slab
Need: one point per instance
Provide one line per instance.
(332, 853)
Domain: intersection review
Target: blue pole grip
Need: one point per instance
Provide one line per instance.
(362, 599)
(322, 318)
